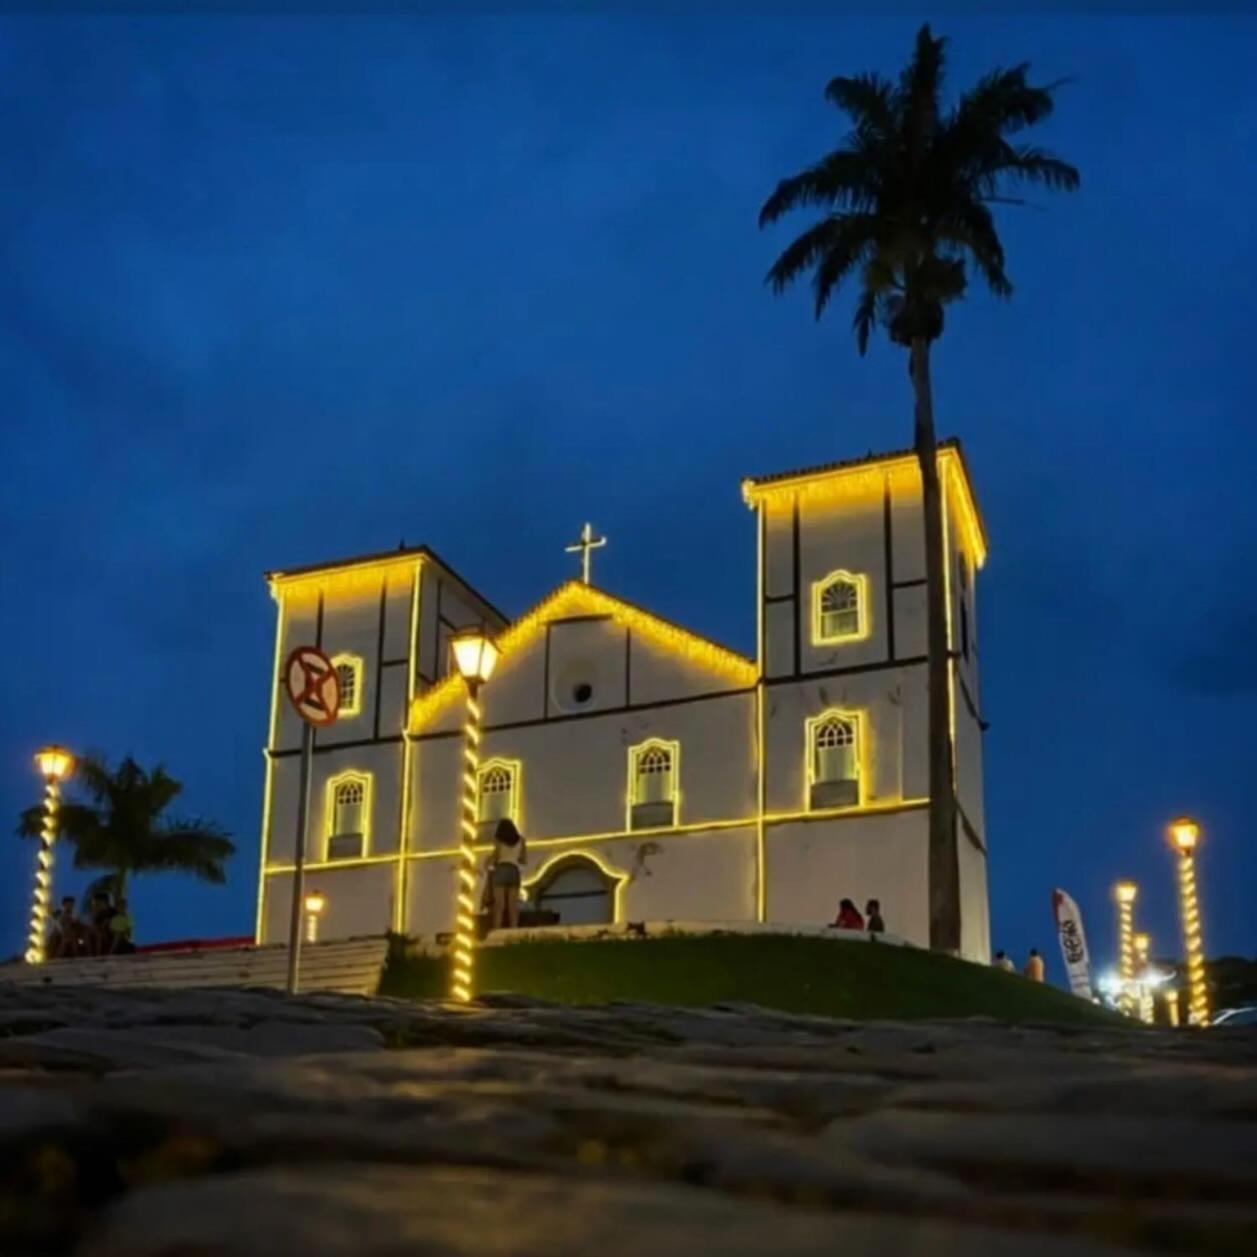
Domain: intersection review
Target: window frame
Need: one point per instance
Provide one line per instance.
(349, 777)
(856, 719)
(857, 581)
(354, 662)
(616, 880)
(516, 770)
(635, 755)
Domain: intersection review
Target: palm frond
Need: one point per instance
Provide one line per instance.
(868, 100)
(844, 179)
(920, 86)
(189, 846)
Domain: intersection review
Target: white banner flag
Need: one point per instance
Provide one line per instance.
(1073, 943)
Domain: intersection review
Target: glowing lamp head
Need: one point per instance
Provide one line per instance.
(316, 901)
(1143, 942)
(475, 654)
(55, 762)
(1125, 892)
(1184, 834)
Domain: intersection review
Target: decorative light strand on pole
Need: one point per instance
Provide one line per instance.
(1124, 893)
(465, 912)
(476, 657)
(1143, 958)
(1184, 835)
(55, 764)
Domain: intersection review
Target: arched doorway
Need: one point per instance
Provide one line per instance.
(578, 891)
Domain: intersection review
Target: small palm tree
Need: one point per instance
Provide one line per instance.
(907, 199)
(124, 830)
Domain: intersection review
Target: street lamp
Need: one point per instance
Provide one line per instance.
(1125, 893)
(1184, 836)
(315, 902)
(1143, 951)
(475, 655)
(55, 764)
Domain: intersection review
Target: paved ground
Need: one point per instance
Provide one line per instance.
(199, 1124)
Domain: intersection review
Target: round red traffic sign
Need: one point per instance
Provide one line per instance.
(313, 686)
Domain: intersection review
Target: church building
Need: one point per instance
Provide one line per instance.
(657, 775)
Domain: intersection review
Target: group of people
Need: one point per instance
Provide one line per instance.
(850, 918)
(104, 929)
(1034, 968)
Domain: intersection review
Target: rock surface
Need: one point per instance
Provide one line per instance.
(206, 1123)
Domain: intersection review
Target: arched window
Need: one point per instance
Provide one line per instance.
(349, 674)
(653, 777)
(833, 760)
(348, 815)
(576, 890)
(498, 792)
(839, 608)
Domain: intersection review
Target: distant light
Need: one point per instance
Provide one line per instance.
(316, 901)
(475, 654)
(1184, 833)
(1125, 892)
(55, 762)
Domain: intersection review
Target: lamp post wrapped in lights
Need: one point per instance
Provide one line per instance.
(315, 902)
(55, 764)
(476, 656)
(1184, 835)
(1125, 893)
(1143, 961)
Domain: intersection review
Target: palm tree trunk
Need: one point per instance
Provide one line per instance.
(944, 859)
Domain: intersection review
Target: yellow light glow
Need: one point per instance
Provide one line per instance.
(345, 580)
(475, 654)
(616, 877)
(1184, 833)
(1125, 892)
(55, 763)
(864, 481)
(315, 902)
(515, 769)
(352, 704)
(863, 626)
(259, 922)
(576, 598)
(37, 937)
(401, 881)
(635, 753)
(349, 777)
(857, 719)
(462, 952)
(761, 866)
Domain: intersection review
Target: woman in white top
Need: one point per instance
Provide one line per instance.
(510, 851)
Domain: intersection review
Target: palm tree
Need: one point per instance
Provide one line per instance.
(907, 199)
(124, 830)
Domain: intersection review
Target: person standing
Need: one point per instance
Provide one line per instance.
(510, 852)
(873, 917)
(1034, 966)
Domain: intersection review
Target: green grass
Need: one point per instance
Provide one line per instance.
(802, 975)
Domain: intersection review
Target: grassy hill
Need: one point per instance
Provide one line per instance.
(803, 975)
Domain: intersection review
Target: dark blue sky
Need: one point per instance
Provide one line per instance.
(266, 283)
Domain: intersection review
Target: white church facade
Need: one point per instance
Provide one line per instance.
(656, 774)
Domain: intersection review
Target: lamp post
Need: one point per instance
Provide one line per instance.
(55, 764)
(315, 902)
(1184, 835)
(476, 655)
(1124, 893)
(1143, 951)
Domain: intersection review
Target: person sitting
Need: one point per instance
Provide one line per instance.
(64, 940)
(849, 917)
(1003, 961)
(873, 916)
(120, 929)
(100, 914)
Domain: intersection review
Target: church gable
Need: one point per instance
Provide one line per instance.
(582, 650)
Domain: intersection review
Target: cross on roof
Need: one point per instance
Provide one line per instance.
(584, 547)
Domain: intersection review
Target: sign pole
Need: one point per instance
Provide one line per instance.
(299, 871)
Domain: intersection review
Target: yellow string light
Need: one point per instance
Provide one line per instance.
(36, 942)
(463, 950)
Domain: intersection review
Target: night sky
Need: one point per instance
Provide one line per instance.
(281, 291)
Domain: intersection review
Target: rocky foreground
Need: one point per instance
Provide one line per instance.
(195, 1123)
